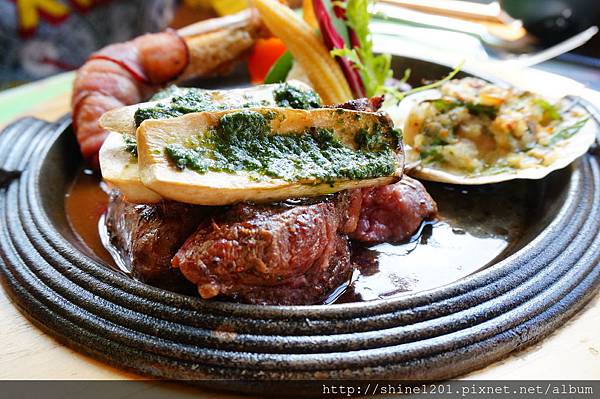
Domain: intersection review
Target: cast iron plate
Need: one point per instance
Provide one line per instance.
(436, 334)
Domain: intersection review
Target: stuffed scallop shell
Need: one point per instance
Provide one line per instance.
(472, 132)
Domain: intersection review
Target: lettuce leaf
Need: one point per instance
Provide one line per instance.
(373, 69)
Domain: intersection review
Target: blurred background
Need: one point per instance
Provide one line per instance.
(41, 38)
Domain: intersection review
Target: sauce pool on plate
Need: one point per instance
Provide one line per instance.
(469, 234)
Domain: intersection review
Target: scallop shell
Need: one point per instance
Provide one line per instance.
(569, 150)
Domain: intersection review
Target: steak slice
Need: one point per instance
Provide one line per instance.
(289, 253)
(147, 237)
(394, 212)
(271, 254)
(313, 287)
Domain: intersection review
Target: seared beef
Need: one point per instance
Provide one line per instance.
(295, 252)
(147, 237)
(326, 274)
(348, 205)
(393, 212)
(279, 254)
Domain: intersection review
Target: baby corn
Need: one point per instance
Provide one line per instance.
(308, 13)
(324, 73)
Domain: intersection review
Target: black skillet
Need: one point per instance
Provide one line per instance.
(544, 277)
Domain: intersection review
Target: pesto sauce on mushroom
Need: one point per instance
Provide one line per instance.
(288, 96)
(243, 143)
(187, 100)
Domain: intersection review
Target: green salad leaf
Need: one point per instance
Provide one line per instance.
(373, 69)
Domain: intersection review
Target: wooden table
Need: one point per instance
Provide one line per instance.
(572, 352)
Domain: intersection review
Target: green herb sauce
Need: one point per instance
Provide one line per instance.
(242, 143)
(169, 91)
(182, 102)
(130, 145)
(187, 100)
(377, 140)
(288, 96)
(160, 111)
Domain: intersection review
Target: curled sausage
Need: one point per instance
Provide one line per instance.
(127, 73)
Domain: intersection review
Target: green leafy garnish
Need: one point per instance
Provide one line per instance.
(405, 76)
(566, 132)
(400, 95)
(373, 69)
(550, 111)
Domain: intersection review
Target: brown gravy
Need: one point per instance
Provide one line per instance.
(471, 232)
(85, 204)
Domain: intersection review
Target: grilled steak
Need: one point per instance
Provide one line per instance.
(295, 252)
(325, 275)
(393, 212)
(249, 248)
(147, 236)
